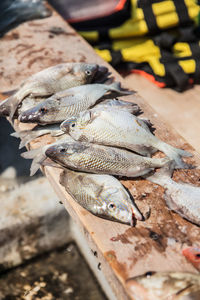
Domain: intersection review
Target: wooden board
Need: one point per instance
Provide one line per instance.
(181, 110)
(122, 251)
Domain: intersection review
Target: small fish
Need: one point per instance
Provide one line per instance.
(180, 197)
(193, 255)
(27, 136)
(38, 155)
(164, 286)
(13, 13)
(102, 195)
(131, 107)
(52, 80)
(121, 129)
(69, 103)
(102, 159)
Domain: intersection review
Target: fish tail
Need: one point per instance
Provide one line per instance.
(32, 153)
(175, 154)
(163, 175)
(38, 157)
(5, 107)
(27, 136)
(116, 87)
(160, 162)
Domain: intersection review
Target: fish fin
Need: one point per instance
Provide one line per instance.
(57, 133)
(49, 163)
(162, 175)
(148, 123)
(175, 154)
(9, 93)
(116, 87)
(15, 134)
(32, 153)
(14, 102)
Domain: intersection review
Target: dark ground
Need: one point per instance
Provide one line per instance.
(59, 275)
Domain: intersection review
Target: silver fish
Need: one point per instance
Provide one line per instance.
(180, 197)
(69, 103)
(165, 286)
(38, 155)
(121, 129)
(27, 136)
(103, 195)
(102, 159)
(52, 80)
(131, 107)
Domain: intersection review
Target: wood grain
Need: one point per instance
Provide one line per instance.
(123, 251)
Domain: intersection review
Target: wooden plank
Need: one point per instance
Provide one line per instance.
(122, 251)
(181, 110)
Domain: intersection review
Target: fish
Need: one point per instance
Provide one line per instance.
(121, 129)
(183, 198)
(27, 136)
(13, 13)
(102, 195)
(164, 286)
(93, 158)
(69, 102)
(38, 155)
(192, 254)
(52, 80)
(131, 107)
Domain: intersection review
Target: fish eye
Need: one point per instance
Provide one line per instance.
(88, 72)
(43, 110)
(111, 206)
(149, 274)
(73, 124)
(62, 150)
(198, 255)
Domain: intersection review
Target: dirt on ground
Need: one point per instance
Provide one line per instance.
(60, 275)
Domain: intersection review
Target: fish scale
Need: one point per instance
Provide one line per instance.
(119, 128)
(96, 192)
(68, 103)
(102, 159)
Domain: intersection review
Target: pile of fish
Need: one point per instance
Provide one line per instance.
(97, 136)
(97, 139)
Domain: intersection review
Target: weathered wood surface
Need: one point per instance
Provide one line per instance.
(181, 110)
(122, 251)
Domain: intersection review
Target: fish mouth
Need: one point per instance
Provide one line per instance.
(136, 215)
(101, 75)
(28, 118)
(133, 220)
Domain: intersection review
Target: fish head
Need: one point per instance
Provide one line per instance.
(114, 204)
(65, 152)
(84, 72)
(143, 285)
(80, 122)
(43, 113)
(165, 285)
